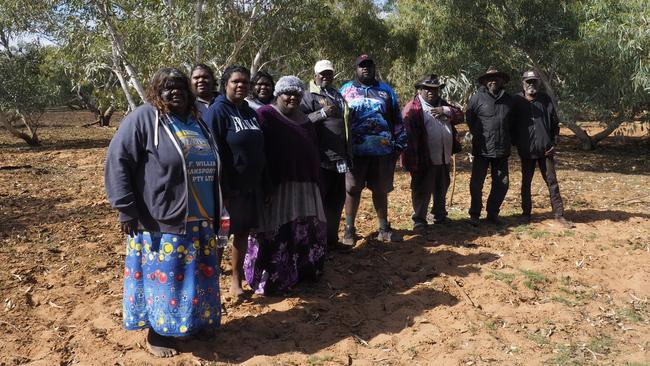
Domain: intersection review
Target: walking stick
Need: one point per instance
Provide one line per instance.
(453, 180)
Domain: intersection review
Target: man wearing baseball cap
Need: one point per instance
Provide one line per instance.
(378, 137)
(489, 117)
(327, 109)
(535, 132)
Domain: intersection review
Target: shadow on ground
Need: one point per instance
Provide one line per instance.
(376, 289)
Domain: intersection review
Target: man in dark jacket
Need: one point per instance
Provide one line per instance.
(327, 109)
(429, 122)
(535, 132)
(489, 117)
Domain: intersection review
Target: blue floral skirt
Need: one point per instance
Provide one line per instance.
(171, 282)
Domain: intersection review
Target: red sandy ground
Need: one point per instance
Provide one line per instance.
(530, 294)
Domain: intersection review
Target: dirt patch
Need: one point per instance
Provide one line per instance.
(459, 295)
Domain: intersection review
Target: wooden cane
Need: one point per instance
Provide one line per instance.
(453, 180)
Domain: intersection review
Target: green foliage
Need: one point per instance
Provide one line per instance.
(505, 277)
(534, 280)
(27, 83)
(594, 54)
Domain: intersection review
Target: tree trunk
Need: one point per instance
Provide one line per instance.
(105, 118)
(255, 66)
(117, 70)
(612, 125)
(31, 138)
(118, 47)
(171, 26)
(197, 28)
(585, 140)
(244, 37)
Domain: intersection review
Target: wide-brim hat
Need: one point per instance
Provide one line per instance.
(430, 81)
(493, 72)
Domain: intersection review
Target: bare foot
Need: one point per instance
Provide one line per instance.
(160, 346)
(236, 291)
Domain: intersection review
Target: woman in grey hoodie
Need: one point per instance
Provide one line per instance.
(162, 175)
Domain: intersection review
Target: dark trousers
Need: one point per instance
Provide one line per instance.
(547, 168)
(499, 172)
(333, 195)
(433, 180)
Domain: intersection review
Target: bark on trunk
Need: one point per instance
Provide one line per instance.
(117, 70)
(255, 66)
(198, 53)
(242, 40)
(118, 46)
(31, 138)
(105, 118)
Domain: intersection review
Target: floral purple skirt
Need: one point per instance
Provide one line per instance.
(276, 260)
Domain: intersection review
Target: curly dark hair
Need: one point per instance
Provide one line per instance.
(157, 84)
(227, 73)
(261, 74)
(203, 67)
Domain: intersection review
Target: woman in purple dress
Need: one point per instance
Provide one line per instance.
(290, 242)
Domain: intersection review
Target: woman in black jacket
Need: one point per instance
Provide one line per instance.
(241, 146)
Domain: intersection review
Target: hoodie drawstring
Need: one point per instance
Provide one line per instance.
(155, 131)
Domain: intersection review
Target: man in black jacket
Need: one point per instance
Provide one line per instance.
(535, 132)
(489, 117)
(327, 109)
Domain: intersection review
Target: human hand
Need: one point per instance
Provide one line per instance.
(437, 111)
(129, 227)
(330, 110)
(550, 152)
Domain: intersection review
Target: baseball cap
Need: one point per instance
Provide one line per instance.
(530, 75)
(323, 65)
(363, 58)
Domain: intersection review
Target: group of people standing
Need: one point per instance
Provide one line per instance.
(282, 161)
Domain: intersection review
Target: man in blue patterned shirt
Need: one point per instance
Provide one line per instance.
(378, 137)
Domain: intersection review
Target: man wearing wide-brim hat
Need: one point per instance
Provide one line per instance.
(489, 117)
(429, 122)
(535, 134)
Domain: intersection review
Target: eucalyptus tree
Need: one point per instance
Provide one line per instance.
(592, 54)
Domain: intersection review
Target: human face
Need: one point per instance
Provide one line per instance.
(366, 71)
(324, 79)
(175, 96)
(237, 87)
(494, 84)
(288, 102)
(530, 87)
(429, 94)
(202, 83)
(263, 89)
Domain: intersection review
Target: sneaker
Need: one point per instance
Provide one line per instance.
(474, 220)
(442, 221)
(495, 220)
(389, 235)
(349, 236)
(564, 222)
(420, 228)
